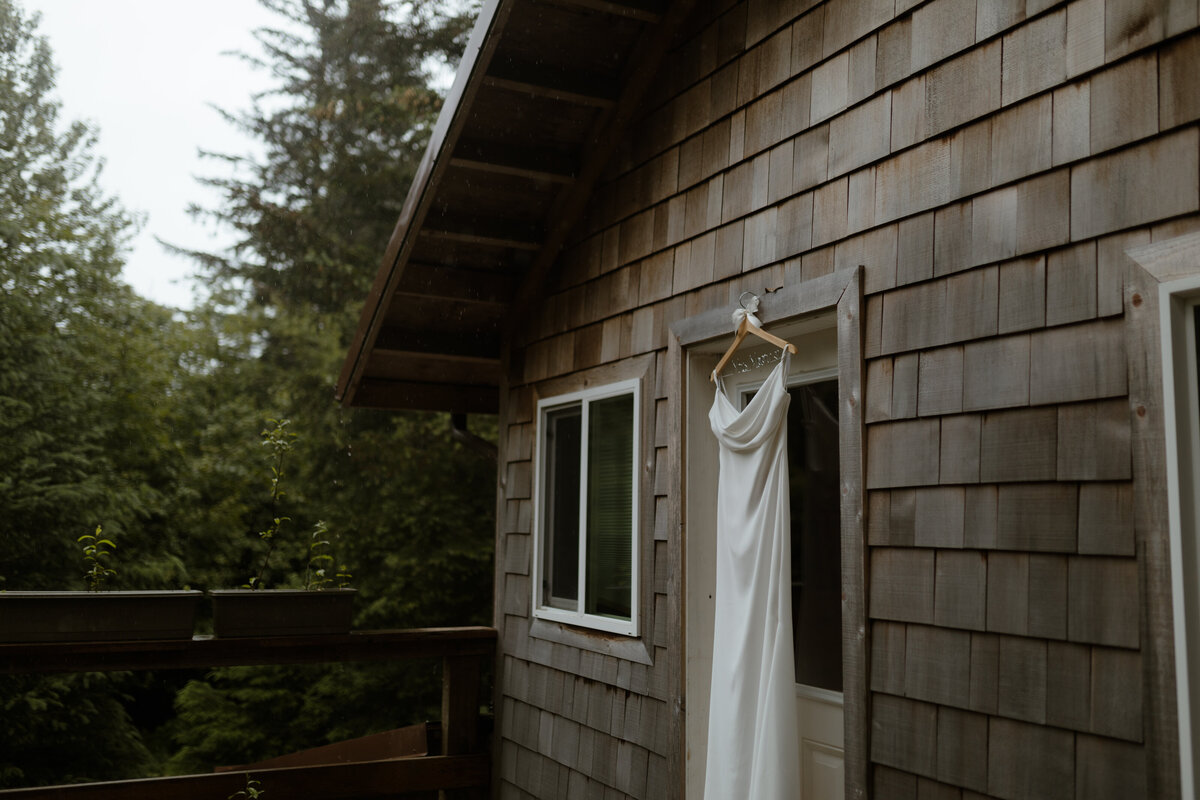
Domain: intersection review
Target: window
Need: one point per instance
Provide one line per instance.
(586, 508)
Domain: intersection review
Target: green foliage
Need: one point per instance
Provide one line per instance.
(67, 728)
(253, 790)
(96, 552)
(321, 562)
(278, 440)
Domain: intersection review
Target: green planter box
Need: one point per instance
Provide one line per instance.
(97, 616)
(281, 612)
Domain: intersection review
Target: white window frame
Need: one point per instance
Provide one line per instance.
(1178, 301)
(579, 617)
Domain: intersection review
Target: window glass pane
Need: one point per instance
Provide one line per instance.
(560, 565)
(816, 534)
(610, 507)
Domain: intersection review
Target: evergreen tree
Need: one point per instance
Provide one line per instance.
(84, 436)
(413, 511)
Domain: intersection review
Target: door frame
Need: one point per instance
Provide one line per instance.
(838, 294)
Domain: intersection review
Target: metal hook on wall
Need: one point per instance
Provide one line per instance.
(753, 307)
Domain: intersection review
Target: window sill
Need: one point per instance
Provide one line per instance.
(626, 648)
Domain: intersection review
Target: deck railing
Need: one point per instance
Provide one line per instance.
(461, 770)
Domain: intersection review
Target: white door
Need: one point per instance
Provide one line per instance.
(816, 553)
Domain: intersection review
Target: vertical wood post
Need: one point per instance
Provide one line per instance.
(460, 714)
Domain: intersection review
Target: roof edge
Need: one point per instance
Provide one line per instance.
(467, 79)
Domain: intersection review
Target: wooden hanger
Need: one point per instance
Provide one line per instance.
(744, 328)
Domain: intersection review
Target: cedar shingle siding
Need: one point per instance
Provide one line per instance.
(987, 163)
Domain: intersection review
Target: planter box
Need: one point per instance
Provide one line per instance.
(97, 616)
(281, 612)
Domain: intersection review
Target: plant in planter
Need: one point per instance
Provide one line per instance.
(319, 608)
(97, 615)
(252, 791)
(96, 552)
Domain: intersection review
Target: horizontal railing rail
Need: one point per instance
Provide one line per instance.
(206, 651)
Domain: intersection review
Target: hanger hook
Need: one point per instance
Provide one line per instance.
(753, 307)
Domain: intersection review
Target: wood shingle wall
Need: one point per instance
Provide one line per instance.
(988, 163)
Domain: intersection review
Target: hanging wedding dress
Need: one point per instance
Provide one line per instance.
(753, 751)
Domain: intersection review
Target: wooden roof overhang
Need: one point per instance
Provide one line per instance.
(542, 94)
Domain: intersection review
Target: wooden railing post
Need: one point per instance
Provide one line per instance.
(460, 714)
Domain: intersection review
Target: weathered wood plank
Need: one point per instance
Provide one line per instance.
(1106, 519)
(964, 88)
(1044, 211)
(1071, 284)
(971, 160)
(960, 590)
(903, 454)
(1022, 687)
(1038, 517)
(953, 245)
(905, 734)
(941, 29)
(902, 518)
(972, 304)
(1072, 122)
(887, 657)
(1117, 693)
(855, 635)
(937, 665)
(996, 373)
(1048, 596)
(1109, 770)
(1022, 294)
(980, 516)
(1079, 362)
(1148, 182)
(1008, 593)
(938, 518)
(1019, 445)
(1098, 610)
(1027, 761)
(1035, 57)
(894, 784)
(1094, 441)
(902, 584)
(1110, 269)
(962, 748)
(1022, 140)
(985, 658)
(914, 260)
(905, 385)
(1124, 103)
(1178, 101)
(1068, 685)
(940, 383)
(879, 390)
(959, 457)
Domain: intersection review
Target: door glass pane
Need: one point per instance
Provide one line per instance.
(610, 507)
(560, 565)
(816, 534)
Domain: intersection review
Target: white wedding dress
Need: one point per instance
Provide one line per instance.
(753, 750)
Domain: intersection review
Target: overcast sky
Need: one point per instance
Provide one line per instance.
(146, 72)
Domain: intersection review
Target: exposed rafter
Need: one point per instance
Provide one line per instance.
(521, 162)
(643, 12)
(397, 395)
(537, 80)
(485, 232)
(454, 283)
(435, 367)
